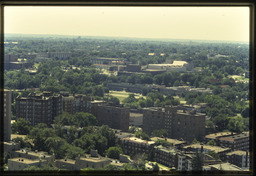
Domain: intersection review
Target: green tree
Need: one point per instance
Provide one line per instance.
(197, 162)
(114, 152)
(211, 142)
(21, 126)
(159, 133)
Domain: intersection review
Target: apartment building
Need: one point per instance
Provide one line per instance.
(179, 124)
(76, 103)
(236, 142)
(114, 117)
(7, 114)
(136, 145)
(166, 156)
(239, 158)
(39, 108)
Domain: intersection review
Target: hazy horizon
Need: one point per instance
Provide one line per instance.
(174, 23)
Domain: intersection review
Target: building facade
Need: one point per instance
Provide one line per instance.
(179, 124)
(136, 145)
(39, 108)
(114, 117)
(7, 115)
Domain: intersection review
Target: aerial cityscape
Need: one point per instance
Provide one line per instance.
(111, 103)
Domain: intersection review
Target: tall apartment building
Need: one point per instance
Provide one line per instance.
(114, 117)
(39, 108)
(179, 124)
(76, 103)
(7, 115)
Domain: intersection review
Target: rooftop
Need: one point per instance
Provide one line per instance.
(138, 140)
(226, 167)
(235, 137)
(70, 161)
(24, 160)
(216, 135)
(173, 141)
(237, 152)
(208, 147)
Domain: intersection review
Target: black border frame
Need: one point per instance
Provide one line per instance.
(145, 3)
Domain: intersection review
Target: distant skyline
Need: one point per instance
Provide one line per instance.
(193, 23)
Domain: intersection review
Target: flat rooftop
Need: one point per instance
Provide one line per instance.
(173, 141)
(69, 161)
(24, 160)
(217, 135)
(237, 152)
(138, 140)
(208, 147)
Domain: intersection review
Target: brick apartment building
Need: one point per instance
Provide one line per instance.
(180, 124)
(39, 108)
(114, 117)
(7, 114)
(76, 103)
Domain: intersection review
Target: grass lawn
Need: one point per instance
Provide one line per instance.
(121, 95)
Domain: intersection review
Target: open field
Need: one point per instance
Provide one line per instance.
(121, 95)
(239, 78)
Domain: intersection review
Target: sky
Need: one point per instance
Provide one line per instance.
(201, 23)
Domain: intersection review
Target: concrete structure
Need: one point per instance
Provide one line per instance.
(18, 164)
(68, 164)
(39, 108)
(179, 124)
(7, 114)
(11, 146)
(32, 155)
(114, 117)
(180, 66)
(133, 145)
(93, 160)
(239, 158)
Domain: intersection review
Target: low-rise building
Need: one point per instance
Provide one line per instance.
(32, 155)
(236, 142)
(166, 156)
(17, 164)
(11, 146)
(222, 167)
(207, 148)
(93, 160)
(175, 143)
(133, 145)
(239, 158)
(68, 164)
